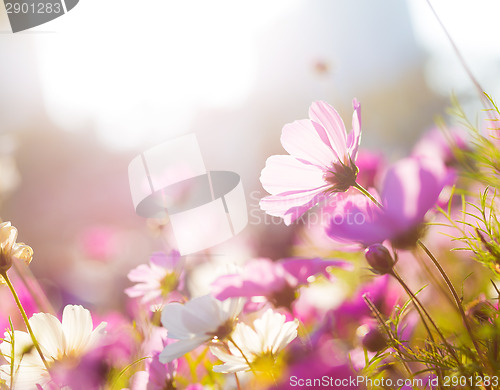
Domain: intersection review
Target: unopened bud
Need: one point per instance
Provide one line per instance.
(10, 250)
(372, 338)
(379, 258)
(5, 261)
(481, 311)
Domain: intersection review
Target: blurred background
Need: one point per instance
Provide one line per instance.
(82, 95)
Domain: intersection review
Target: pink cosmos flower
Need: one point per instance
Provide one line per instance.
(344, 319)
(157, 279)
(411, 188)
(157, 376)
(324, 358)
(370, 165)
(321, 161)
(91, 372)
(437, 144)
(277, 281)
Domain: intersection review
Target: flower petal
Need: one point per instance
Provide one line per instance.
(231, 364)
(326, 116)
(8, 235)
(411, 187)
(268, 328)
(357, 219)
(354, 137)
(171, 319)
(290, 207)
(285, 174)
(77, 327)
(22, 252)
(287, 334)
(302, 269)
(203, 315)
(49, 333)
(22, 343)
(97, 335)
(247, 340)
(176, 350)
(168, 261)
(230, 368)
(302, 141)
(142, 273)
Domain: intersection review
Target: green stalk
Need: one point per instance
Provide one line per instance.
(387, 330)
(25, 318)
(242, 354)
(443, 274)
(237, 381)
(418, 303)
(365, 192)
(457, 299)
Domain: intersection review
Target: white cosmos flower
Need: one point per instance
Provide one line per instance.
(69, 339)
(196, 322)
(258, 346)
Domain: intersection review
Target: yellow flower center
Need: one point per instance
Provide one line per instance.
(169, 283)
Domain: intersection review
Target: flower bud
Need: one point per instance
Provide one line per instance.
(10, 250)
(8, 235)
(481, 311)
(379, 258)
(5, 261)
(372, 338)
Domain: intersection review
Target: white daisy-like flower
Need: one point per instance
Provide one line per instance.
(199, 320)
(256, 348)
(59, 341)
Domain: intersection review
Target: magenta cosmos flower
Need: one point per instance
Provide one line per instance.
(321, 162)
(277, 281)
(410, 189)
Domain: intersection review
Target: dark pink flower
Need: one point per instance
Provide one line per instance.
(158, 376)
(321, 161)
(90, 372)
(324, 364)
(437, 144)
(370, 164)
(411, 188)
(343, 320)
(277, 281)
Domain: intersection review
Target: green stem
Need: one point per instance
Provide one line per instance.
(242, 354)
(441, 271)
(443, 274)
(13, 352)
(237, 381)
(365, 192)
(418, 303)
(457, 299)
(25, 318)
(434, 279)
(394, 342)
